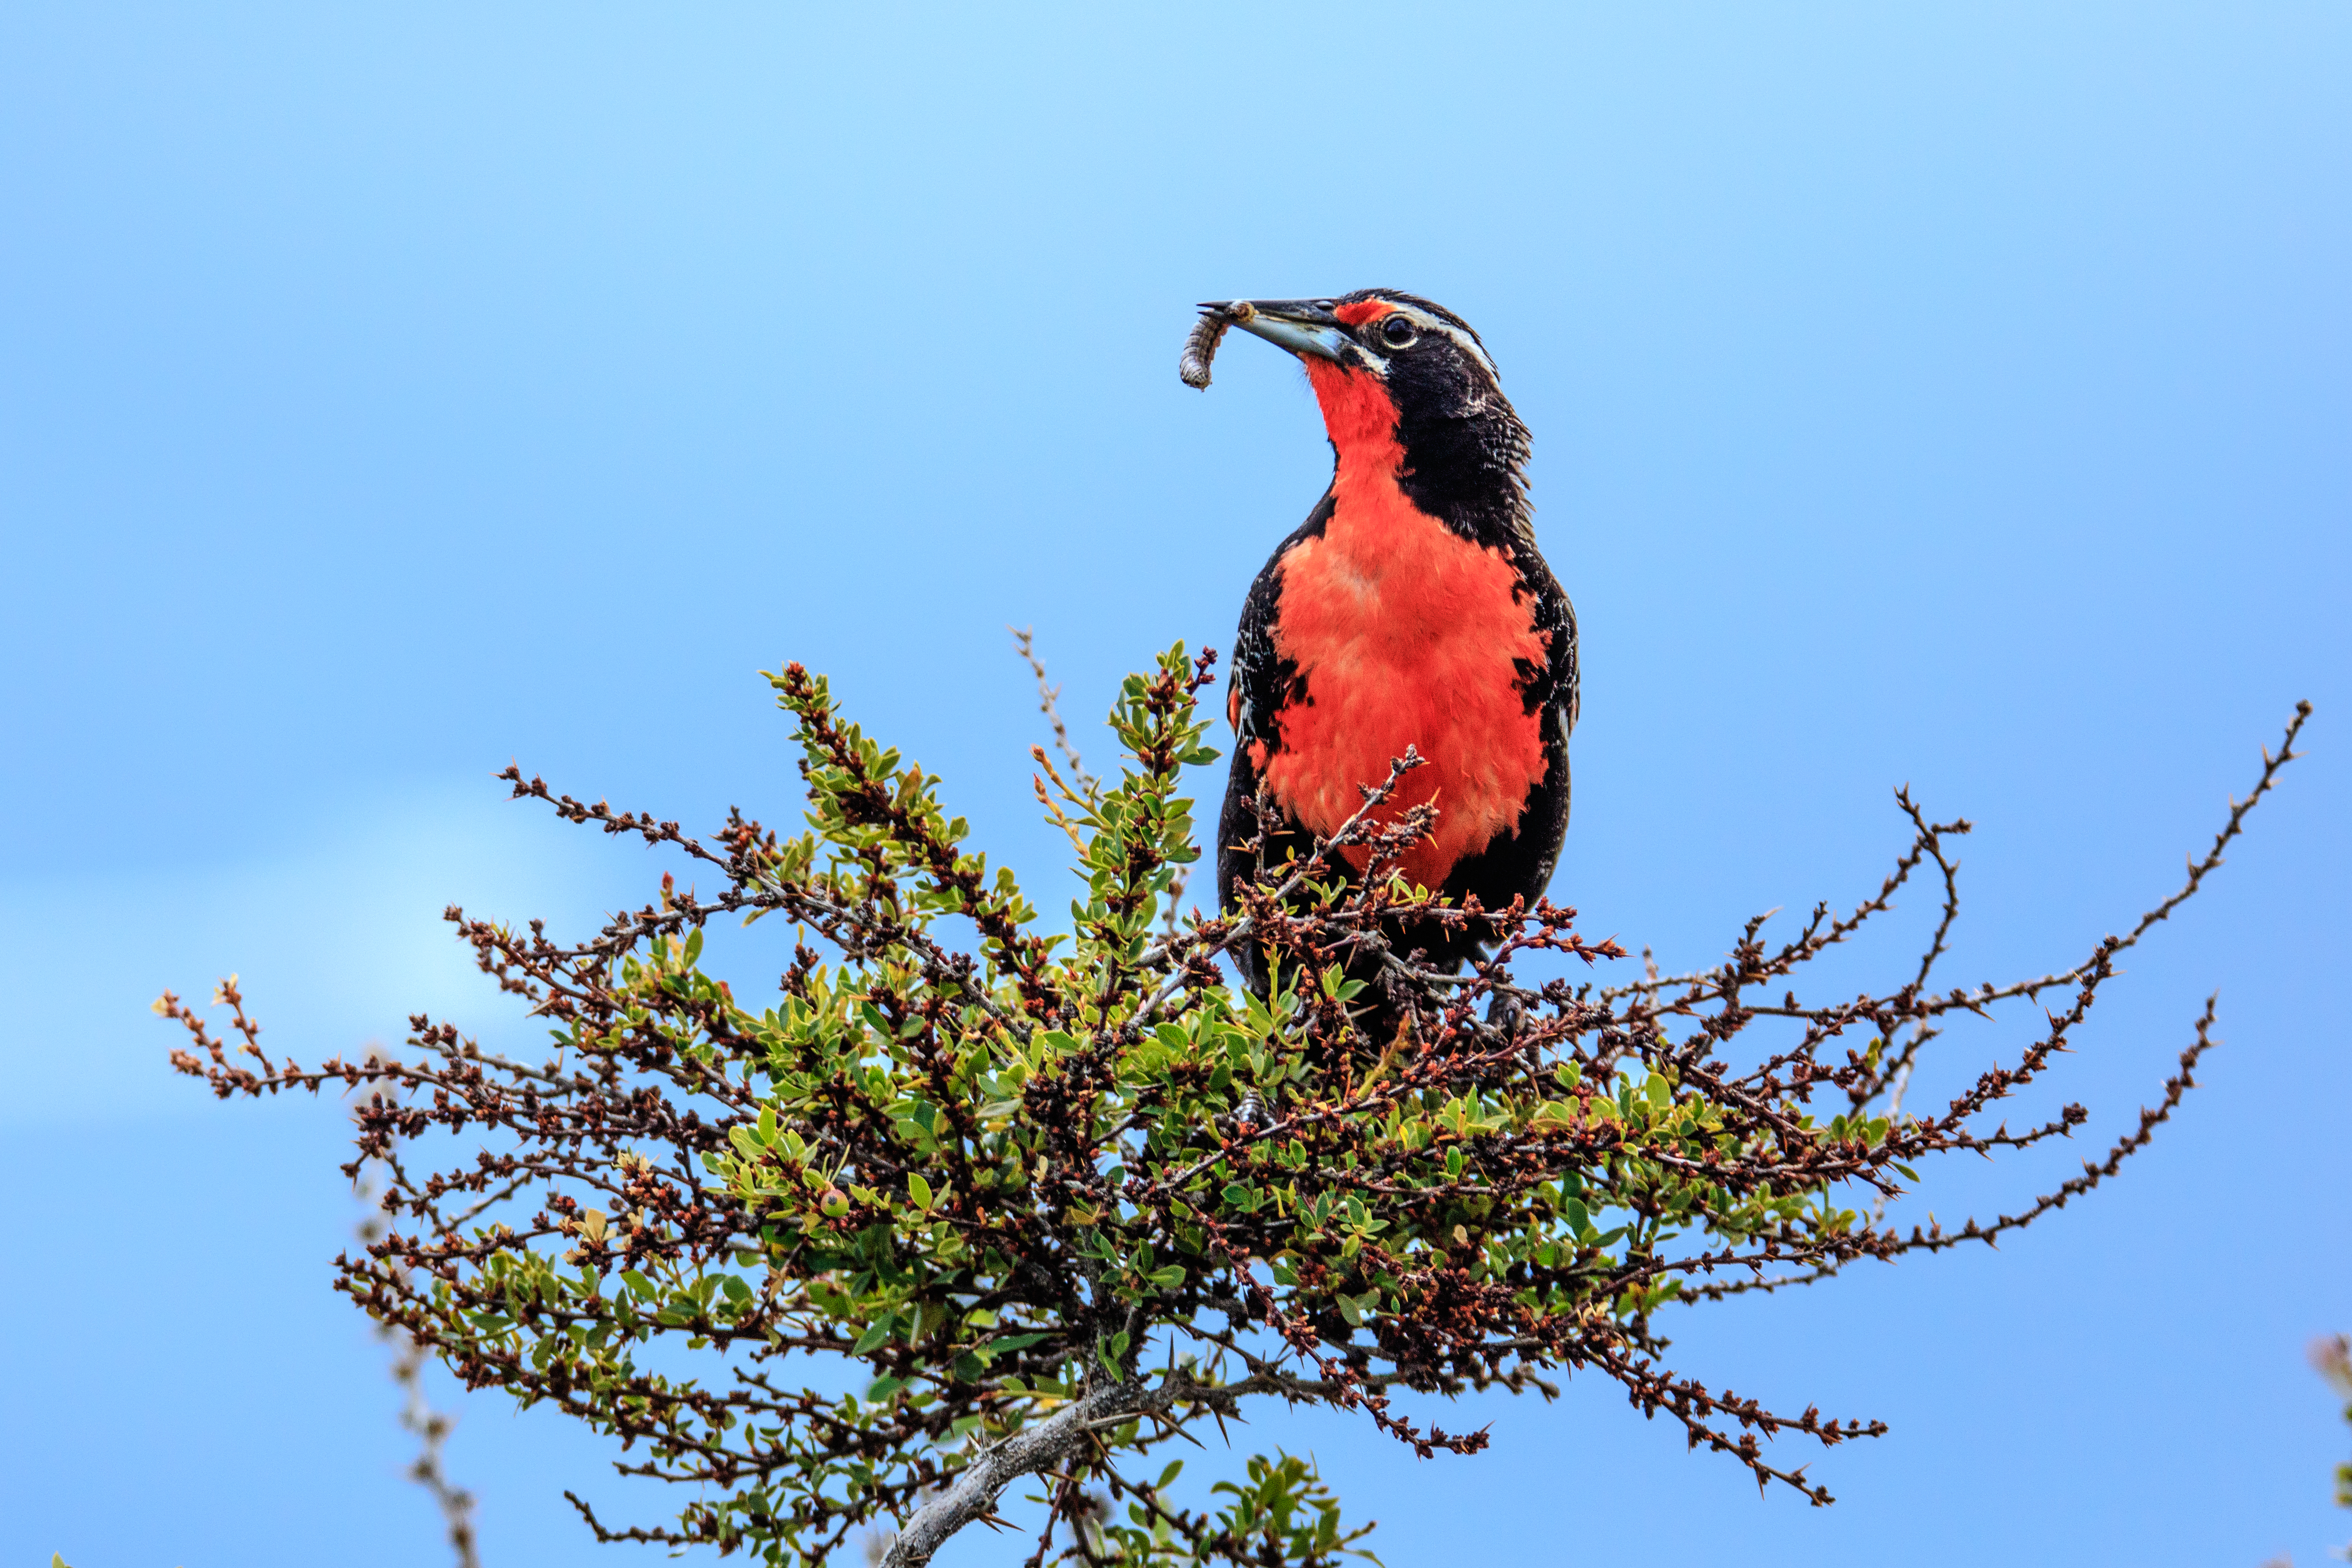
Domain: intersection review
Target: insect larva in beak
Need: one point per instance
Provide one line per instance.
(1201, 345)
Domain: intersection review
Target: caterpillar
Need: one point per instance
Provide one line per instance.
(1201, 344)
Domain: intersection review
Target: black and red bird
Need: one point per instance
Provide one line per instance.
(1412, 608)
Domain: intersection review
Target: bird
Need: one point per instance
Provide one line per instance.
(1412, 609)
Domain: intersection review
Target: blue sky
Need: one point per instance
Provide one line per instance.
(1954, 395)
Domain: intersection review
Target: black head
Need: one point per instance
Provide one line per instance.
(1465, 451)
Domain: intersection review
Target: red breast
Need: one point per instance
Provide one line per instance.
(1407, 634)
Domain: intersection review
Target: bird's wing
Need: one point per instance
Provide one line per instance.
(1556, 619)
(1548, 817)
(1255, 688)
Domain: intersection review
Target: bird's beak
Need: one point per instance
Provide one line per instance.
(1305, 327)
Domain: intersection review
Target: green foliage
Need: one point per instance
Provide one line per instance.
(969, 1201)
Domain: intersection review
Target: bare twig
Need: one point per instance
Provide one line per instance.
(429, 1426)
(1049, 704)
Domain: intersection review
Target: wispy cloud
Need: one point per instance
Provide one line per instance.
(336, 940)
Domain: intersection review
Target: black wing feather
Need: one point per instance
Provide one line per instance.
(1260, 683)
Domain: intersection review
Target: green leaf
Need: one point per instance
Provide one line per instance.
(920, 1190)
(1012, 1342)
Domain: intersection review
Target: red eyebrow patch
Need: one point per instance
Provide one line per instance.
(1363, 311)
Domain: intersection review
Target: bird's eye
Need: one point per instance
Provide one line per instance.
(1398, 331)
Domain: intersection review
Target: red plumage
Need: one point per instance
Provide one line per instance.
(1413, 635)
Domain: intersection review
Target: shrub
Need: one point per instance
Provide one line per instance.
(971, 1201)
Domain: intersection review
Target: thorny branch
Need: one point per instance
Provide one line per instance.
(1062, 1202)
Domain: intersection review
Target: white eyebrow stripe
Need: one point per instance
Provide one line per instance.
(1468, 344)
